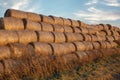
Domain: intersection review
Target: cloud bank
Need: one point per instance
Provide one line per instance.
(95, 15)
(25, 5)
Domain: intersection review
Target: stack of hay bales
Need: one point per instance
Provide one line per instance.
(28, 34)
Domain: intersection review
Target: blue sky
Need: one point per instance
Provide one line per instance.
(88, 11)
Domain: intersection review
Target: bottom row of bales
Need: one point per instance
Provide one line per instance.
(44, 66)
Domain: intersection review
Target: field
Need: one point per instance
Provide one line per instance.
(39, 47)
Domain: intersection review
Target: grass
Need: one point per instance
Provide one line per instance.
(50, 68)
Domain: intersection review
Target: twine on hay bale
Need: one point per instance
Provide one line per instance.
(45, 36)
(31, 25)
(27, 36)
(8, 37)
(11, 23)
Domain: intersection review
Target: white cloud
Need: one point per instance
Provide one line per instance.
(114, 3)
(91, 2)
(20, 4)
(25, 5)
(96, 15)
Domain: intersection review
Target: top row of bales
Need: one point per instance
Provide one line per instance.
(42, 18)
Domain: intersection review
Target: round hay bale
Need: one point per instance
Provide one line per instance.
(58, 28)
(15, 13)
(10, 65)
(77, 30)
(31, 25)
(70, 59)
(87, 37)
(58, 49)
(96, 45)
(91, 56)
(4, 52)
(100, 27)
(59, 37)
(72, 37)
(109, 38)
(103, 33)
(75, 23)
(69, 47)
(113, 44)
(108, 32)
(101, 38)
(43, 49)
(45, 36)
(97, 53)
(109, 26)
(80, 46)
(102, 44)
(20, 50)
(8, 37)
(91, 31)
(47, 19)
(1, 68)
(46, 27)
(68, 29)
(88, 45)
(84, 30)
(115, 37)
(94, 38)
(105, 27)
(108, 45)
(67, 22)
(57, 20)
(10, 23)
(82, 24)
(115, 33)
(27, 36)
(83, 57)
(33, 16)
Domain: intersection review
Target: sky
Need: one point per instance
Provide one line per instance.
(88, 11)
